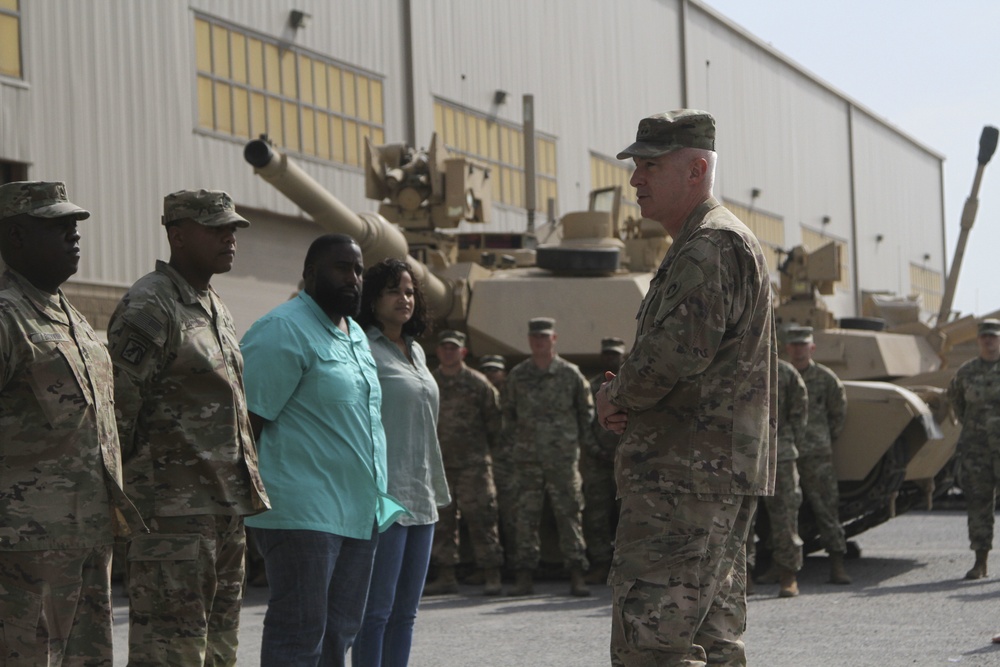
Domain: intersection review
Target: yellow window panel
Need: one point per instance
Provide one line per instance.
(238, 53)
(351, 142)
(309, 131)
(258, 115)
(205, 103)
(274, 126)
(507, 176)
(497, 192)
(272, 69)
(364, 103)
(202, 44)
(9, 4)
(484, 138)
(336, 99)
(366, 133)
(472, 134)
(337, 138)
(378, 136)
(323, 135)
(494, 133)
(460, 142)
(376, 95)
(291, 113)
(241, 113)
(288, 82)
(255, 63)
(305, 80)
(321, 85)
(449, 127)
(517, 189)
(220, 51)
(350, 103)
(223, 109)
(439, 121)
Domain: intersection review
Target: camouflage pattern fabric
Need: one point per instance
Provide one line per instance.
(469, 427)
(55, 607)
(597, 468)
(974, 393)
(60, 466)
(506, 484)
(186, 439)
(679, 580)
(185, 591)
(817, 476)
(700, 387)
(818, 479)
(546, 415)
(793, 411)
(827, 410)
(700, 384)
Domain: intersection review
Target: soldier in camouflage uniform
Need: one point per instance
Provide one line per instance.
(190, 459)
(696, 402)
(547, 413)
(783, 506)
(468, 429)
(61, 498)
(597, 468)
(974, 393)
(494, 367)
(817, 476)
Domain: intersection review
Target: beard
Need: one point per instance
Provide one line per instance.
(341, 300)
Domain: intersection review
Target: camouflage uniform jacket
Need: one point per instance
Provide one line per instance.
(547, 413)
(793, 410)
(181, 407)
(469, 418)
(827, 409)
(60, 465)
(700, 384)
(604, 442)
(974, 393)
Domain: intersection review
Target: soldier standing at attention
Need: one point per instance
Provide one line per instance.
(696, 403)
(597, 467)
(190, 459)
(817, 476)
(468, 429)
(974, 393)
(494, 367)
(61, 497)
(783, 506)
(547, 411)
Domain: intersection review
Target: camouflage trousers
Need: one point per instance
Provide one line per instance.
(980, 478)
(474, 498)
(563, 484)
(679, 580)
(600, 509)
(783, 518)
(818, 480)
(55, 608)
(506, 485)
(185, 583)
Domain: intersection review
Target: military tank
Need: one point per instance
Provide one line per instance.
(592, 281)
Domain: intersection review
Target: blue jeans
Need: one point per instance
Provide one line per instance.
(397, 583)
(318, 583)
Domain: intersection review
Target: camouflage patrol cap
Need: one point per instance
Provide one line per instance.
(663, 133)
(39, 199)
(451, 336)
(989, 327)
(541, 325)
(492, 361)
(616, 345)
(211, 208)
(798, 335)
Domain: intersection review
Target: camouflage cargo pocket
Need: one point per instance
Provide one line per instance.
(163, 572)
(58, 389)
(654, 558)
(20, 611)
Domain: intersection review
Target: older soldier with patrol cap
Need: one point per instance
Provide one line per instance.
(817, 476)
(547, 413)
(696, 403)
(974, 393)
(469, 428)
(61, 496)
(190, 459)
(600, 511)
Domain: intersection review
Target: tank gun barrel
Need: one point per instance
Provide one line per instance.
(987, 146)
(376, 236)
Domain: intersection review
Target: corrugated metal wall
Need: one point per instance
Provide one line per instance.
(108, 104)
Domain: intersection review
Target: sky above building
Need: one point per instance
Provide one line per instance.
(929, 68)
